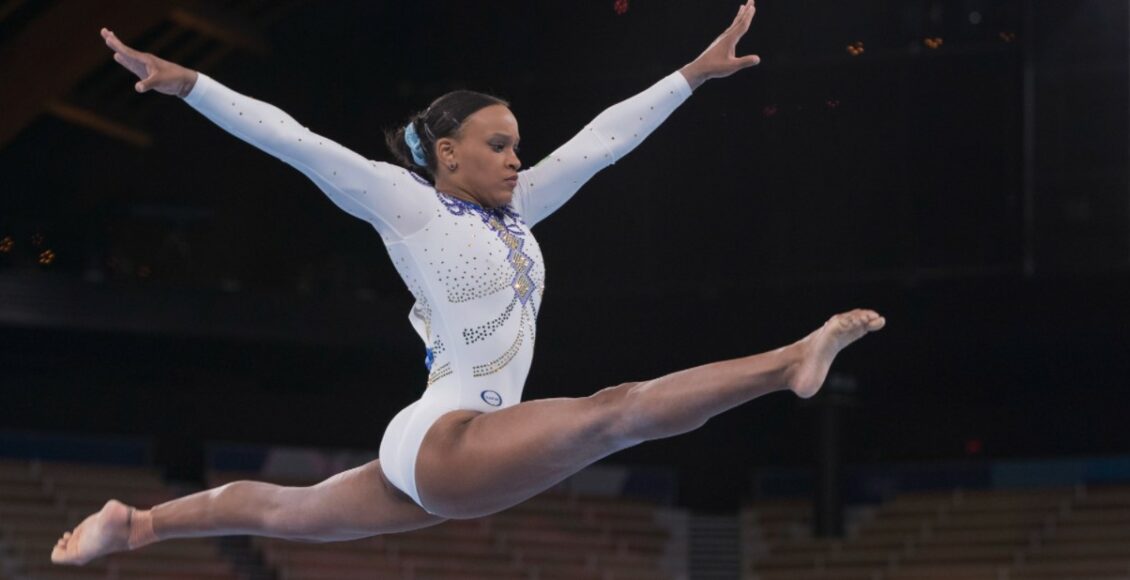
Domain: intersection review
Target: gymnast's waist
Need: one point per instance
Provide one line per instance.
(463, 390)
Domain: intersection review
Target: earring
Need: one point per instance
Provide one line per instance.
(452, 166)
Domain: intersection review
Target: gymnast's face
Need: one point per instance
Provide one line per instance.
(485, 155)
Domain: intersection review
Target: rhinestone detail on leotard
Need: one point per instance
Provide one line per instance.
(507, 226)
(440, 372)
(499, 363)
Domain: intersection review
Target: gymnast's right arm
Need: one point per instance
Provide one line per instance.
(363, 188)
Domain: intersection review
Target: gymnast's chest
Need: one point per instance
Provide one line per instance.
(479, 256)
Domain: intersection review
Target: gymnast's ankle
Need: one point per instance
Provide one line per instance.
(141, 528)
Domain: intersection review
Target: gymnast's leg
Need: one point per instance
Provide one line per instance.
(350, 505)
(473, 464)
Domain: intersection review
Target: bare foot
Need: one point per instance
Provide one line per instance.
(99, 534)
(821, 347)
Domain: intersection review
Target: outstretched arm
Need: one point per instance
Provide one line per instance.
(376, 192)
(545, 187)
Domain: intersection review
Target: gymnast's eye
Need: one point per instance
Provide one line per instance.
(497, 147)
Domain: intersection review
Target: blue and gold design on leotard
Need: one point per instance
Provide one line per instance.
(519, 260)
(507, 224)
(509, 227)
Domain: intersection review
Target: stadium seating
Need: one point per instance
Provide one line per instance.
(1038, 534)
(1028, 534)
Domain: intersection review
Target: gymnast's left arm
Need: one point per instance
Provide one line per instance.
(545, 187)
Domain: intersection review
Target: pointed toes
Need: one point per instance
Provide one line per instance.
(872, 320)
(868, 320)
(59, 552)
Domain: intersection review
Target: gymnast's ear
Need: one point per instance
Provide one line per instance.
(446, 152)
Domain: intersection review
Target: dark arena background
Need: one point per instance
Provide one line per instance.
(179, 309)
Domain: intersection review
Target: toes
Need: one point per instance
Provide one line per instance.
(872, 320)
(866, 317)
(860, 318)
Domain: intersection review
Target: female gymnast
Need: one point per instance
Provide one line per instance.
(456, 221)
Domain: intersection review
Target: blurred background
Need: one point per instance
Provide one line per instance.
(960, 166)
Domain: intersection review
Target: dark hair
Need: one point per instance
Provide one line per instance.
(443, 118)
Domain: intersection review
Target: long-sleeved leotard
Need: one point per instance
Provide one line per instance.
(476, 273)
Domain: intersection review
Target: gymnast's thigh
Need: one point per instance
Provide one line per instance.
(473, 464)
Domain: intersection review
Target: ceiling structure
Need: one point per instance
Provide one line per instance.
(71, 82)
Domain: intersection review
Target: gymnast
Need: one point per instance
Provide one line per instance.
(456, 218)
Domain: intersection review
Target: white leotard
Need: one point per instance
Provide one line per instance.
(477, 274)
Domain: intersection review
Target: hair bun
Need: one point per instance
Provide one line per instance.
(415, 149)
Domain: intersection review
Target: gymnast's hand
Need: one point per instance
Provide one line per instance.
(155, 73)
(719, 59)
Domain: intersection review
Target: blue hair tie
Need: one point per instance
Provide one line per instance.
(413, 141)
